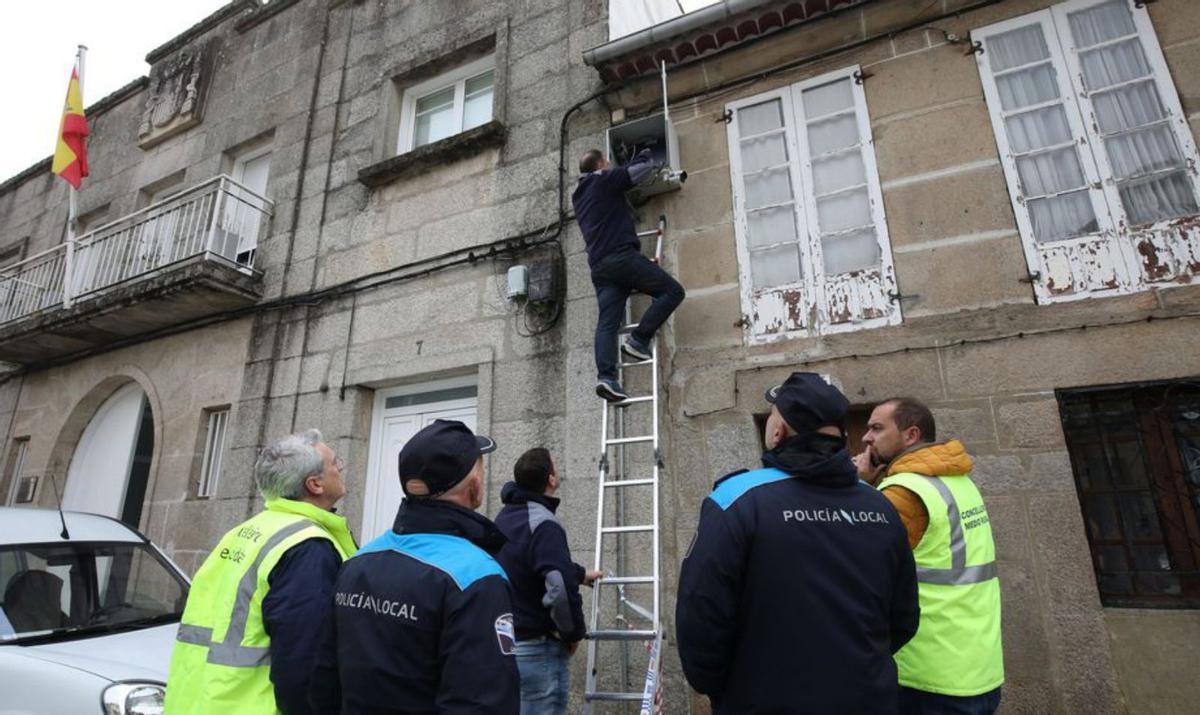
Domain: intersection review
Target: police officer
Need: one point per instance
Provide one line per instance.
(799, 584)
(422, 617)
(249, 634)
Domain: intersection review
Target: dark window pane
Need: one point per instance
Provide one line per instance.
(1139, 517)
(1157, 584)
(1112, 559)
(1094, 466)
(1150, 558)
(1187, 432)
(1129, 468)
(1102, 517)
(1135, 454)
(1115, 583)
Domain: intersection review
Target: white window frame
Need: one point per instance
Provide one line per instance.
(854, 295)
(247, 248)
(21, 445)
(456, 78)
(214, 452)
(1105, 262)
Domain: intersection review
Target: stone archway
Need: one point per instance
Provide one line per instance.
(108, 448)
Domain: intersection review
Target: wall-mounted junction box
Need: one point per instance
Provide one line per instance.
(518, 283)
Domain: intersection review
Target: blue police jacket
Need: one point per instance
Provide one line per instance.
(797, 589)
(421, 621)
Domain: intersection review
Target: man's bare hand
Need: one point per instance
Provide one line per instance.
(590, 577)
(868, 472)
(572, 647)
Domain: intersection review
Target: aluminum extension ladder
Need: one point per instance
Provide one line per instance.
(614, 482)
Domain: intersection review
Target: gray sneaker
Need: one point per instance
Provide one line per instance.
(611, 391)
(635, 348)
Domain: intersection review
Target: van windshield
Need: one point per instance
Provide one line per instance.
(68, 590)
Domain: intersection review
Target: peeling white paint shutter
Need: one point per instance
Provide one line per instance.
(1086, 119)
(774, 256)
(1140, 136)
(1061, 210)
(844, 206)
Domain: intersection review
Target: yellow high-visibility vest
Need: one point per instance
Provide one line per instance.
(222, 656)
(956, 650)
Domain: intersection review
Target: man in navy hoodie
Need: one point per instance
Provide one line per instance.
(799, 585)
(618, 266)
(547, 608)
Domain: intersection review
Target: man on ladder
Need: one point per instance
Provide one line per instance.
(618, 266)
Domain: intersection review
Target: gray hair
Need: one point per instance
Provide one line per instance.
(284, 464)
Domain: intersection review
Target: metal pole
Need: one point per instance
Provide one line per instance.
(666, 110)
(72, 208)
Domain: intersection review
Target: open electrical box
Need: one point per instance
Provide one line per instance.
(656, 133)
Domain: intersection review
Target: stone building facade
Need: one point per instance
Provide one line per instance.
(350, 275)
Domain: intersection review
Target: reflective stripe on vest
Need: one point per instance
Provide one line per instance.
(959, 573)
(957, 649)
(231, 652)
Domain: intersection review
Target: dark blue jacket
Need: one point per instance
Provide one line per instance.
(421, 621)
(798, 588)
(545, 582)
(604, 215)
(301, 589)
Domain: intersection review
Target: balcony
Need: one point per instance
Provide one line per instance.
(187, 257)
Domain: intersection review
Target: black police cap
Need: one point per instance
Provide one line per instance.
(439, 456)
(806, 402)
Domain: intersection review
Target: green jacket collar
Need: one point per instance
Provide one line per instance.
(332, 523)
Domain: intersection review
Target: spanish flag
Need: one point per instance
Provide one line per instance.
(70, 153)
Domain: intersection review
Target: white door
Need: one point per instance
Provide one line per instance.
(399, 414)
(244, 212)
(99, 471)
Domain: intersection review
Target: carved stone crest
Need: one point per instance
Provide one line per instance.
(175, 100)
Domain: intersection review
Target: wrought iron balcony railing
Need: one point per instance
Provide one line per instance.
(219, 220)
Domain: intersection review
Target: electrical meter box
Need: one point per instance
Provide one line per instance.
(657, 134)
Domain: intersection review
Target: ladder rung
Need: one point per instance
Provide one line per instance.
(629, 482)
(651, 232)
(622, 635)
(631, 440)
(612, 696)
(626, 529)
(636, 364)
(618, 580)
(635, 400)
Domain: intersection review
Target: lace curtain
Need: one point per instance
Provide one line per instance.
(1146, 160)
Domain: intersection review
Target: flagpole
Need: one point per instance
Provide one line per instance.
(72, 208)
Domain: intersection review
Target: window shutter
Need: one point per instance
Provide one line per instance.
(813, 244)
(1140, 136)
(1053, 180)
(773, 254)
(846, 224)
(1099, 159)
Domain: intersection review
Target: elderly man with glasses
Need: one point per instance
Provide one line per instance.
(249, 634)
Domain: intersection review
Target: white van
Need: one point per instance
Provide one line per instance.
(88, 614)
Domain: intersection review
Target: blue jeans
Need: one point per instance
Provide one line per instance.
(919, 702)
(545, 677)
(616, 276)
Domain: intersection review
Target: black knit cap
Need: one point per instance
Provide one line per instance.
(441, 455)
(806, 401)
